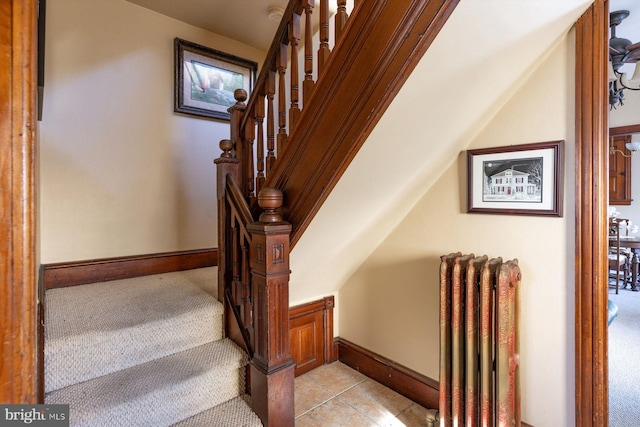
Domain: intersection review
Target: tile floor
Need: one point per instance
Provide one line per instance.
(336, 395)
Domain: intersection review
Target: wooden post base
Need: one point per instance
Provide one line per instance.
(276, 410)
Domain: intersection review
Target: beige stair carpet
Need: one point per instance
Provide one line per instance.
(160, 392)
(144, 352)
(92, 330)
(234, 413)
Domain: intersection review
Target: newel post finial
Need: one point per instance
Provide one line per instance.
(240, 96)
(270, 199)
(226, 146)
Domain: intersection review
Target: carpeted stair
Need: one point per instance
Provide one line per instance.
(144, 352)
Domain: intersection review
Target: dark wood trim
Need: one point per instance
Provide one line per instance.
(591, 216)
(417, 387)
(624, 130)
(319, 314)
(18, 286)
(409, 383)
(330, 350)
(64, 274)
(381, 45)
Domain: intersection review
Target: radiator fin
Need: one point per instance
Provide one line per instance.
(479, 346)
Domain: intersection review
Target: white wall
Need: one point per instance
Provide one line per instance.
(626, 115)
(390, 305)
(121, 173)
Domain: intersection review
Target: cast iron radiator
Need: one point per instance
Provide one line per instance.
(479, 342)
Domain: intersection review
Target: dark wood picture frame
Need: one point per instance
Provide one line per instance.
(205, 79)
(524, 179)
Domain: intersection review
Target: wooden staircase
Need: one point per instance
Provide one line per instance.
(286, 153)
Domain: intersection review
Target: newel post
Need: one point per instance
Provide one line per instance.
(226, 165)
(272, 368)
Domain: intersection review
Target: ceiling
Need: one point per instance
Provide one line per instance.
(246, 21)
(222, 17)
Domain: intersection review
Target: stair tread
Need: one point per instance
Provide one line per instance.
(160, 392)
(92, 330)
(233, 413)
(126, 303)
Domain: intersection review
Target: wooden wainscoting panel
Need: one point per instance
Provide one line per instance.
(64, 274)
(307, 346)
(311, 334)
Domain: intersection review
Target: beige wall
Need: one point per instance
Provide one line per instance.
(390, 305)
(121, 173)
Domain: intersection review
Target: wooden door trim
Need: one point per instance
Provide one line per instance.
(624, 130)
(591, 380)
(18, 306)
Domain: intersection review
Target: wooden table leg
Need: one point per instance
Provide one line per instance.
(634, 271)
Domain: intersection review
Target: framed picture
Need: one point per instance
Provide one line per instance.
(516, 180)
(205, 80)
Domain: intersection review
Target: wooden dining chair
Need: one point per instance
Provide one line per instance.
(618, 259)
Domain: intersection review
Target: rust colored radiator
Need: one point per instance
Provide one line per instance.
(479, 343)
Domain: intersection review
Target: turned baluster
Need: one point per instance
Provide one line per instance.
(294, 39)
(259, 118)
(341, 18)
(282, 97)
(324, 51)
(249, 136)
(242, 149)
(236, 289)
(308, 84)
(271, 92)
(246, 289)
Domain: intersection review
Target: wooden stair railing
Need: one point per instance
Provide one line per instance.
(253, 282)
(303, 149)
(260, 129)
(301, 145)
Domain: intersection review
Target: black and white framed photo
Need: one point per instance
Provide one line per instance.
(522, 179)
(205, 79)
